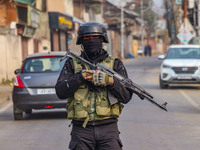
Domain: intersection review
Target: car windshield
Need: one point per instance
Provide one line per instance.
(43, 64)
(183, 53)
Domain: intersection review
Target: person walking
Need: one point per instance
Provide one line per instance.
(89, 93)
(147, 49)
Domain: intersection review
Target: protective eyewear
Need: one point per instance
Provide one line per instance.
(91, 37)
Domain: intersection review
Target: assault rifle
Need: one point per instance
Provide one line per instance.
(125, 81)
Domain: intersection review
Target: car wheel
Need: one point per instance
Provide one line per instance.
(29, 111)
(18, 116)
(17, 113)
(162, 84)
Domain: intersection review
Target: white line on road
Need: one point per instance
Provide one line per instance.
(8, 105)
(189, 99)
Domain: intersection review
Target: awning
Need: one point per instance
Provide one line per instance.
(75, 19)
(30, 2)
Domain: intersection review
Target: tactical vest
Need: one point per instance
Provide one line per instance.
(91, 106)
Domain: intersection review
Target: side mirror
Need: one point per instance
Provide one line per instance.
(17, 71)
(161, 57)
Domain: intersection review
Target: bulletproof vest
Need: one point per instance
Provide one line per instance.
(86, 105)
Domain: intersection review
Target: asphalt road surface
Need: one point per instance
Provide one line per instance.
(143, 126)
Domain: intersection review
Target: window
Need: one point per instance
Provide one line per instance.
(183, 53)
(46, 64)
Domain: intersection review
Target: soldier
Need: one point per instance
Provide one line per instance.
(89, 93)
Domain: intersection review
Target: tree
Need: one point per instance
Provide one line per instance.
(150, 16)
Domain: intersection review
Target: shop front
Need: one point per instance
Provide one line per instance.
(60, 26)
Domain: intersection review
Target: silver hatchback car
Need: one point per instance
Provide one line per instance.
(34, 83)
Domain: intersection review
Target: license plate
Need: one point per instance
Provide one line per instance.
(46, 91)
(184, 77)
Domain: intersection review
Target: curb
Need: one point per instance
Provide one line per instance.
(6, 105)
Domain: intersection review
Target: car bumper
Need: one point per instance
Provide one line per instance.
(182, 81)
(169, 76)
(22, 99)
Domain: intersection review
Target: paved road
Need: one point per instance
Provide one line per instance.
(143, 126)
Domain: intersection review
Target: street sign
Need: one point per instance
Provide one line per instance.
(178, 2)
(184, 36)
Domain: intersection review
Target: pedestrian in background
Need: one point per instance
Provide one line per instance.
(147, 49)
(89, 92)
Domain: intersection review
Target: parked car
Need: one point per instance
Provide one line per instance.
(140, 51)
(34, 83)
(181, 65)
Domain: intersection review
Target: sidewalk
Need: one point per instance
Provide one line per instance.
(5, 94)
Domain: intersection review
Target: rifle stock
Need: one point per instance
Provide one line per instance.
(125, 81)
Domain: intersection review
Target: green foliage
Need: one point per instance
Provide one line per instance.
(97, 8)
(149, 15)
(6, 82)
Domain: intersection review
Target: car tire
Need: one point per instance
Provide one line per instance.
(18, 116)
(29, 111)
(162, 84)
(17, 113)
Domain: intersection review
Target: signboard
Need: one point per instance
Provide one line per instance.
(178, 2)
(64, 22)
(60, 21)
(184, 36)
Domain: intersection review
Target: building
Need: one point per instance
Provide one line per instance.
(19, 19)
(30, 26)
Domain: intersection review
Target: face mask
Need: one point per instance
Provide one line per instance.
(92, 47)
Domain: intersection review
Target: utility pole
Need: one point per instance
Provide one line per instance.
(177, 18)
(174, 15)
(122, 31)
(168, 22)
(142, 25)
(103, 10)
(185, 10)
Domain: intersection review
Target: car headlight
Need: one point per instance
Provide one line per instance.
(166, 66)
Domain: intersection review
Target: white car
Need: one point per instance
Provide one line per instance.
(140, 51)
(181, 65)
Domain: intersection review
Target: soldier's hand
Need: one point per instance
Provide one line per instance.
(88, 74)
(102, 79)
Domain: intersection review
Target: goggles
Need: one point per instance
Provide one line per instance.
(91, 37)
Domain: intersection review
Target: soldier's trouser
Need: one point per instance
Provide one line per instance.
(101, 137)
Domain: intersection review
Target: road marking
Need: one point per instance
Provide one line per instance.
(8, 105)
(189, 99)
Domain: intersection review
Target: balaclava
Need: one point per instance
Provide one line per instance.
(92, 47)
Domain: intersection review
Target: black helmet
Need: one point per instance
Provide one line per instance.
(91, 28)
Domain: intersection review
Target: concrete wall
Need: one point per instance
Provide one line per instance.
(56, 6)
(30, 46)
(44, 46)
(72, 46)
(11, 56)
(69, 7)
(43, 34)
(115, 43)
(135, 46)
(159, 47)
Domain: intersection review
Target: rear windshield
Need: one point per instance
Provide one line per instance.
(46, 64)
(183, 53)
